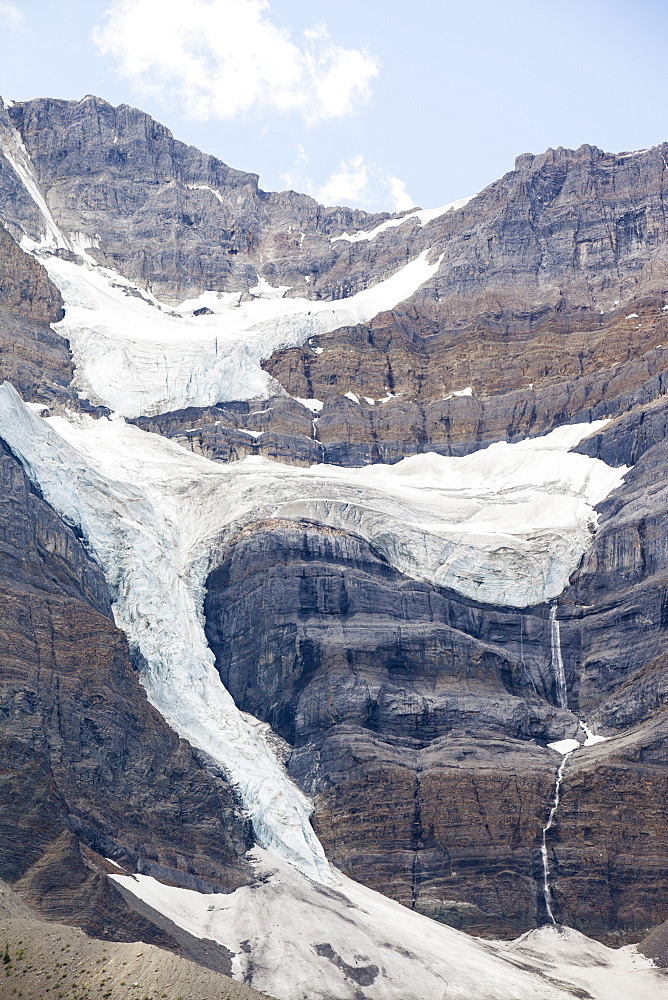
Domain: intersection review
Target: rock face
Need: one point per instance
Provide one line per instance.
(163, 213)
(418, 722)
(34, 358)
(416, 719)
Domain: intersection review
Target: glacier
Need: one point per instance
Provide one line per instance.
(140, 357)
(158, 518)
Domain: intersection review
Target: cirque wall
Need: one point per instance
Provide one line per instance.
(415, 712)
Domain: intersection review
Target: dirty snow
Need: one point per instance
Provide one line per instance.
(423, 215)
(295, 939)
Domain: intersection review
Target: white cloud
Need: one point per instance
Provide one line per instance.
(349, 184)
(400, 196)
(220, 58)
(356, 182)
(11, 15)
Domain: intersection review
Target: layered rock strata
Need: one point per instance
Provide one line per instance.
(352, 432)
(32, 357)
(418, 720)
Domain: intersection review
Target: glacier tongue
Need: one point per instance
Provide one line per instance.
(157, 517)
(152, 547)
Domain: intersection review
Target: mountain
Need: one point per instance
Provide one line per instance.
(340, 539)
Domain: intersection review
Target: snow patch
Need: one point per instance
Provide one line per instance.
(591, 739)
(315, 405)
(423, 215)
(263, 290)
(460, 392)
(81, 243)
(205, 187)
(565, 746)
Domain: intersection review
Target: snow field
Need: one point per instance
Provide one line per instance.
(139, 357)
(347, 941)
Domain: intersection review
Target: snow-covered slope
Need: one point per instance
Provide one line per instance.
(139, 357)
(297, 940)
(423, 216)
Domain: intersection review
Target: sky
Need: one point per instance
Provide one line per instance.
(378, 104)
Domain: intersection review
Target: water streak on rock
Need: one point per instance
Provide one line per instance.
(557, 659)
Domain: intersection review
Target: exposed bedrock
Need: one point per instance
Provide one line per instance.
(549, 301)
(607, 852)
(164, 214)
(403, 352)
(616, 610)
(418, 722)
(87, 762)
(35, 359)
(349, 433)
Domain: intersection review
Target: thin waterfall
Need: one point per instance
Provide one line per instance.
(557, 660)
(547, 893)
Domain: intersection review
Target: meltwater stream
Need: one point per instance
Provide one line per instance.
(547, 892)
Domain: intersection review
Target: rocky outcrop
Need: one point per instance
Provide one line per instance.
(164, 214)
(34, 358)
(420, 741)
(607, 852)
(280, 428)
(538, 270)
(655, 945)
